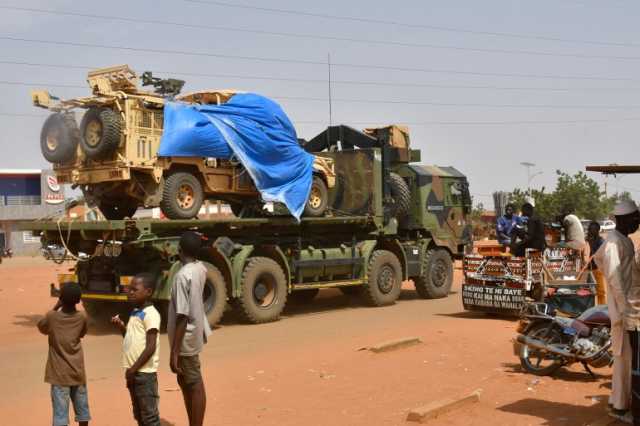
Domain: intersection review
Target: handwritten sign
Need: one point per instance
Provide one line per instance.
(487, 298)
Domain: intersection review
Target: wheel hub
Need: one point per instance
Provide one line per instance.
(264, 293)
(386, 279)
(315, 198)
(439, 273)
(185, 196)
(93, 133)
(52, 139)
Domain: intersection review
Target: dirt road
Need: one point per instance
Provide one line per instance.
(306, 369)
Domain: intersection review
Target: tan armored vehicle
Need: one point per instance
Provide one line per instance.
(112, 157)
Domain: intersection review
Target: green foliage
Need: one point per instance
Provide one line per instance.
(578, 193)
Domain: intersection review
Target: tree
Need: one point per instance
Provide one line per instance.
(578, 193)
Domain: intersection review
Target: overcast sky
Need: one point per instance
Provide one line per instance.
(483, 85)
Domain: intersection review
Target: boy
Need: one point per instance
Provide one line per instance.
(141, 349)
(65, 326)
(188, 328)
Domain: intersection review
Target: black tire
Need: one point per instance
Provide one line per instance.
(264, 291)
(437, 278)
(101, 130)
(384, 281)
(59, 138)
(401, 196)
(351, 290)
(541, 332)
(118, 210)
(214, 295)
(318, 200)
(304, 296)
(182, 196)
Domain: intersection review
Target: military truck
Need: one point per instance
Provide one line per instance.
(111, 155)
(393, 220)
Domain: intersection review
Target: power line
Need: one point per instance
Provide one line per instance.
(412, 25)
(322, 37)
(344, 82)
(300, 61)
(426, 123)
(390, 101)
(341, 82)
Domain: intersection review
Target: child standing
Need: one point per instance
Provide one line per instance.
(65, 326)
(140, 350)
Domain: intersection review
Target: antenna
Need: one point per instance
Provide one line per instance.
(329, 69)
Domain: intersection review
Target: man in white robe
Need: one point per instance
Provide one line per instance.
(615, 258)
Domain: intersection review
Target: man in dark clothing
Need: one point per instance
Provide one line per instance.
(532, 235)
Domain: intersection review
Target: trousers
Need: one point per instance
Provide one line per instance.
(621, 377)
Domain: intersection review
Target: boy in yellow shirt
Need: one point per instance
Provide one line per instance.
(140, 350)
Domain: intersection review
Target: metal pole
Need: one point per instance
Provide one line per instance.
(329, 70)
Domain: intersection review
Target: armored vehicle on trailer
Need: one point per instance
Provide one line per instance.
(112, 154)
(392, 220)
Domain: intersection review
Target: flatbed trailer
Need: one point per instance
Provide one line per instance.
(255, 265)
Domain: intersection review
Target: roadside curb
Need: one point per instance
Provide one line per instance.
(438, 408)
(395, 344)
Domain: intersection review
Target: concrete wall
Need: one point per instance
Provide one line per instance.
(20, 241)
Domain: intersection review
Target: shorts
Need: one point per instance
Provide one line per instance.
(190, 366)
(144, 398)
(60, 396)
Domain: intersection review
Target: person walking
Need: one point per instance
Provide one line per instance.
(615, 258)
(188, 327)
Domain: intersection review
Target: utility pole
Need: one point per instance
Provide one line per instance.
(329, 70)
(529, 175)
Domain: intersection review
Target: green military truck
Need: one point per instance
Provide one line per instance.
(389, 220)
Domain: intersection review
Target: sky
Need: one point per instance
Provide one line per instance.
(483, 86)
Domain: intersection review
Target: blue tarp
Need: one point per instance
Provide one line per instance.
(254, 130)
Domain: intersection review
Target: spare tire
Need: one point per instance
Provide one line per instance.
(101, 129)
(59, 138)
(401, 197)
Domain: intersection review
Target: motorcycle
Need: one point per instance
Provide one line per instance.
(548, 342)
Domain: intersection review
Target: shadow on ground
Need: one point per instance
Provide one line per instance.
(480, 315)
(562, 374)
(557, 413)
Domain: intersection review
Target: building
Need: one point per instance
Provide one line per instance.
(27, 195)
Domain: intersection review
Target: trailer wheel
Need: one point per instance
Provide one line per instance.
(304, 296)
(101, 129)
(318, 198)
(182, 196)
(59, 138)
(264, 291)
(437, 275)
(214, 295)
(384, 281)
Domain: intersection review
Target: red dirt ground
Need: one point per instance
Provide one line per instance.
(306, 369)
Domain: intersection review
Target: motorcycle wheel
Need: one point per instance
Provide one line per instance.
(539, 362)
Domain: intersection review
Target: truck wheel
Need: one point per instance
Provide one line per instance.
(318, 198)
(304, 296)
(264, 291)
(437, 275)
(118, 211)
(214, 295)
(384, 281)
(182, 196)
(401, 196)
(101, 129)
(59, 138)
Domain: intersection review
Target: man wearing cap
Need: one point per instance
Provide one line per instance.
(615, 258)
